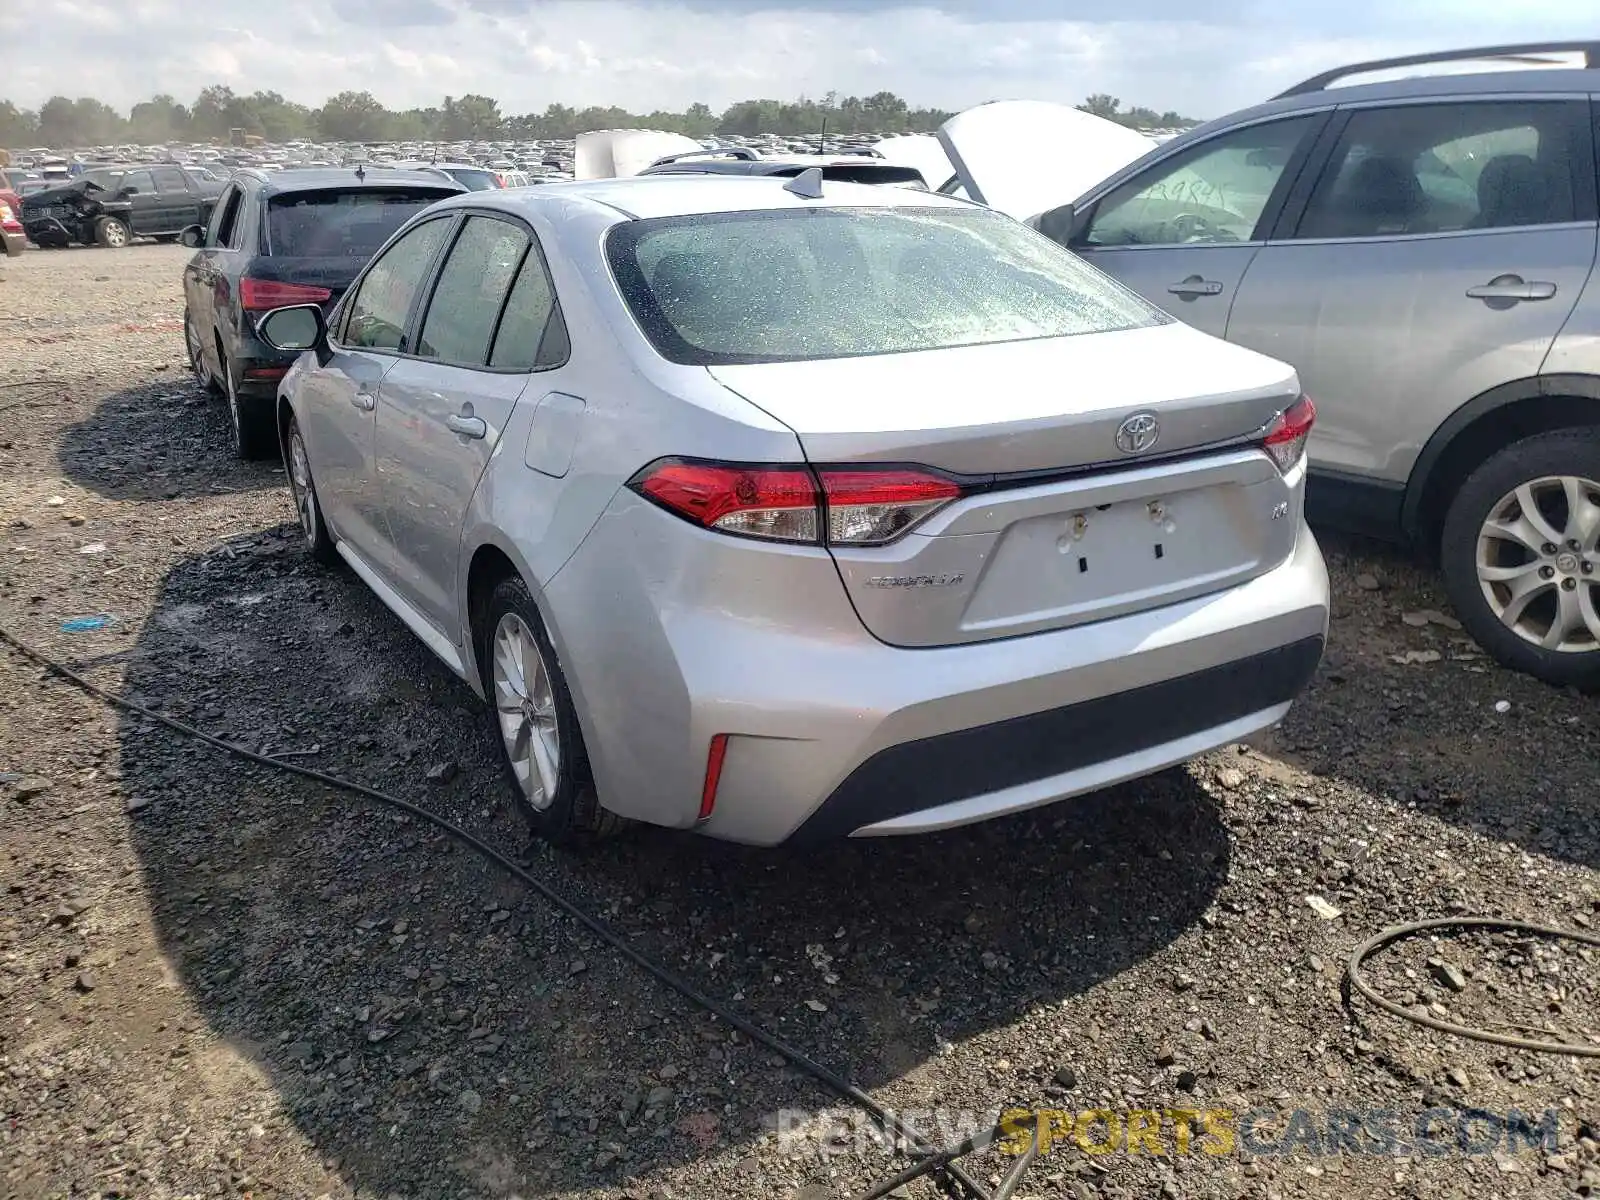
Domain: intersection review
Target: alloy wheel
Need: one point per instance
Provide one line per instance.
(1539, 565)
(525, 704)
(305, 497)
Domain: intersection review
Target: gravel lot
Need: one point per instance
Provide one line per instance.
(218, 979)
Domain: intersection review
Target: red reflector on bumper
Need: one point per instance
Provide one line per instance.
(265, 372)
(714, 757)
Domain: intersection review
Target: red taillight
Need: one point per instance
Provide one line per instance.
(778, 503)
(257, 295)
(714, 757)
(1285, 440)
(265, 372)
(853, 506)
(868, 508)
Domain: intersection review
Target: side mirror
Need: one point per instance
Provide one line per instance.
(129, 190)
(1059, 224)
(193, 236)
(294, 327)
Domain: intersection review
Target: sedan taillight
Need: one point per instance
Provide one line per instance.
(842, 505)
(1286, 433)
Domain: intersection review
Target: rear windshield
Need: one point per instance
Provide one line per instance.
(472, 179)
(341, 223)
(792, 284)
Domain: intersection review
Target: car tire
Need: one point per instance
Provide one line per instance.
(529, 705)
(303, 490)
(1529, 589)
(111, 232)
(197, 362)
(251, 422)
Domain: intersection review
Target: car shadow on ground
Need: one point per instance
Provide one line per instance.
(1408, 706)
(163, 440)
(430, 1026)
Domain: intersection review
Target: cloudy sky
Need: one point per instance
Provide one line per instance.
(1200, 57)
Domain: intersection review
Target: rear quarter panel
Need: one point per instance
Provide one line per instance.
(637, 407)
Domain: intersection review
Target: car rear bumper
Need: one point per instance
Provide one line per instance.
(13, 242)
(833, 733)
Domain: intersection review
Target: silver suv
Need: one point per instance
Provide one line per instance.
(1422, 251)
(802, 510)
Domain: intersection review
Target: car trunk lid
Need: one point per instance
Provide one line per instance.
(1060, 522)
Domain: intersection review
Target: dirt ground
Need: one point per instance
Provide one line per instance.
(218, 979)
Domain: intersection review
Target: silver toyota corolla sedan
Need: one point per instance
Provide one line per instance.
(791, 511)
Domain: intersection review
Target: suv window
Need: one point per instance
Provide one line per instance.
(383, 298)
(1442, 168)
(341, 222)
(225, 220)
(170, 180)
(1215, 191)
(533, 333)
(471, 290)
(137, 179)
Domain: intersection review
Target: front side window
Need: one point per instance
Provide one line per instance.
(385, 294)
(140, 180)
(789, 284)
(1444, 168)
(1216, 191)
(471, 291)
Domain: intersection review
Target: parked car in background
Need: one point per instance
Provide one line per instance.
(12, 235)
(110, 206)
(604, 445)
(737, 160)
(292, 236)
(1423, 251)
(469, 175)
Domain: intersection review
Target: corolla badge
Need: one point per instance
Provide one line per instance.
(1138, 433)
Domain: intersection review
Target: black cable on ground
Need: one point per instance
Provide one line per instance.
(1396, 932)
(677, 983)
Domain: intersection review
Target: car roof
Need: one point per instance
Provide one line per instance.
(1578, 82)
(643, 197)
(305, 179)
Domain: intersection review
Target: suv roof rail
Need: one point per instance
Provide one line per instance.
(1523, 53)
(253, 172)
(743, 152)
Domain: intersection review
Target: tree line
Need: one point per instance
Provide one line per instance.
(63, 123)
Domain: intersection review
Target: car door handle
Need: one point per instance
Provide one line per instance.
(364, 399)
(470, 427)
(1512, 287)
(1195, 285)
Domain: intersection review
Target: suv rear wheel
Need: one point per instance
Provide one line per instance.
(250, 421)
(1521, 556)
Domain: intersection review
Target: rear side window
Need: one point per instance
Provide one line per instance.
(386, 292)
(225, 220)
(789, 284)
(1444, 168)
(533, 333)
(170, 181)
(341, 223)
(471, 291)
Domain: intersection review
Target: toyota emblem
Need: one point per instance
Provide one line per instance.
(1138, 433)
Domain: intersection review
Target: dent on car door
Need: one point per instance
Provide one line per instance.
(1437, 254)
(1183, 231)
(442, 411)
(336, 401)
